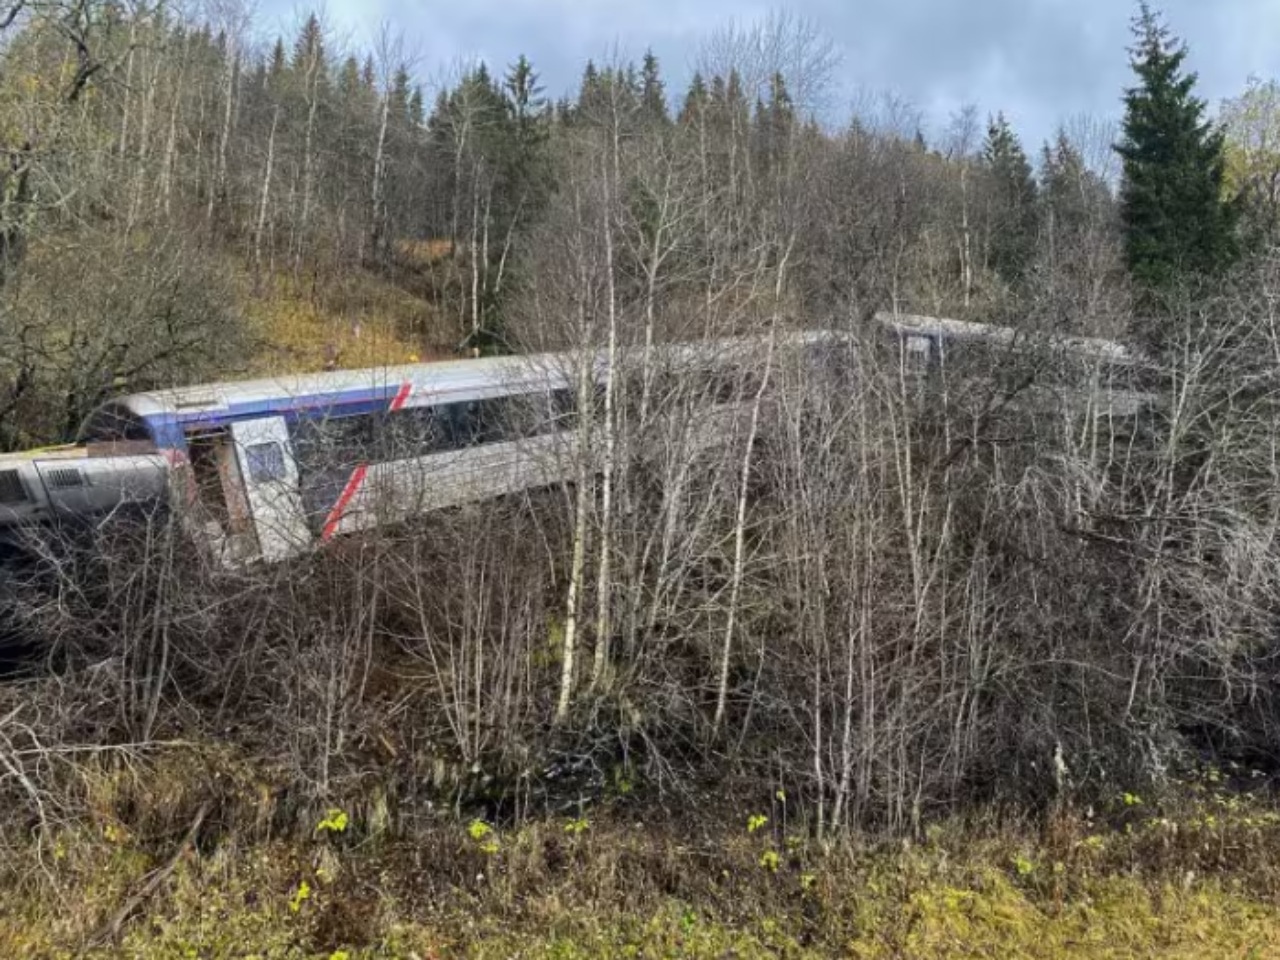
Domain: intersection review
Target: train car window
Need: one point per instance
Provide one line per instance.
(332, 441)
(918, 352)
(327, 450)
(562, 408)
(480, 421)
(11, 487)
(524, 415)
(266, 462)
(463, 423)
(413, 432)
(735, 382)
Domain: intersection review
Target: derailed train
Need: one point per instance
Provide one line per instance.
(263, 470)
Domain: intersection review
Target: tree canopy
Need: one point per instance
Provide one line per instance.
(1176, 222)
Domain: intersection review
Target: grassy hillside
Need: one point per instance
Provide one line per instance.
(359, 319)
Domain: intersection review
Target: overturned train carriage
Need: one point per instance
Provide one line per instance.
(262, 470)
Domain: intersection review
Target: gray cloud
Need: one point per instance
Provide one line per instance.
(1040, 61)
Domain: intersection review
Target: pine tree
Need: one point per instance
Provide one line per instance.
(590, 93)
(349, 80)
(774, 126)
(417, 110)
(653, 94)
(1013, 221)
(1176, 224)
(524, 91)
(1071, 195)
(695, 101)
(399, 94)
(279, 61)
(308, 48)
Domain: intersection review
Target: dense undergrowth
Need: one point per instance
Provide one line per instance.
(1193, 874)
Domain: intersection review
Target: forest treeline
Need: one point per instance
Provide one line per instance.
(882, 599)
(170, 166)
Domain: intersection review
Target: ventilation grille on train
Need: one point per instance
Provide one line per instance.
(11, 488)
(63, 478)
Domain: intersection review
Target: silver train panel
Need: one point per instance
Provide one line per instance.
(73, 483)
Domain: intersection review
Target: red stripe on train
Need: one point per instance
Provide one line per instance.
(344, 501)
(401, 397)
(357, 477)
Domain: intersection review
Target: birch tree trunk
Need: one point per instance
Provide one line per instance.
(379, 179)
(265, 197)
(603, 587)
(740, 523)
(308, 160)
(220, 167)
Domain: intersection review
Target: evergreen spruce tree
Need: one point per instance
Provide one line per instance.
(279, 62)
(774, 126)
(1013, 222)
(417, 110)
(1176, 223)
(308, 48)
(530, 173)
(524, 91)
(564, 110)
(349, 80)
(695, 101)
(591, 93)
(653, 94)
(1071, 195)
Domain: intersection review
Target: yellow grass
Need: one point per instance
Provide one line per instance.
(357, 320)
(576, 889)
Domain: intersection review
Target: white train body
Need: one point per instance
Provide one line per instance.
(262, 470)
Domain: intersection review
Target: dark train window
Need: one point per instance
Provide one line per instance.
(326, 450)
(266, 462)
(482, 421)
(421, 431)
(734, 384)
(726, 385)
(332, 440)
(414, 432)
(564, 407)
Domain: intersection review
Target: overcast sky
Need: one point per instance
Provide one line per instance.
(1040, 61)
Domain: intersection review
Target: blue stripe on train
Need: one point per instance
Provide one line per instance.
(170, 429)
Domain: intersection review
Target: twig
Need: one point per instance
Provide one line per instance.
(110, 932)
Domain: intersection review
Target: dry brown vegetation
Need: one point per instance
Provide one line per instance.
(880, 602)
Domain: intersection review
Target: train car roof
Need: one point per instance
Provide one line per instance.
(1095, 347)
(297, 388)
(440, 377)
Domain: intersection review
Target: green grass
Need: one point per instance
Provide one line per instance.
(1162, 887)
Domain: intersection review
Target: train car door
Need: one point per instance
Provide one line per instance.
(208, 484)
(271, 484)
